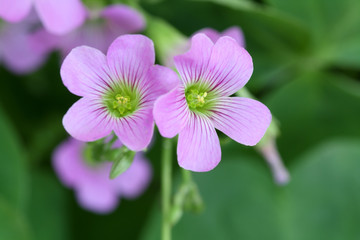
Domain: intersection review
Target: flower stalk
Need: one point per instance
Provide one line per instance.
(166, 175)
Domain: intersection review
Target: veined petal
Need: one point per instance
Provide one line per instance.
(242, 119)
(193, 64)
(158, 81)
(198, 145)
(135, 179)
(230, 67)
(135, 131)
(88, 120)
(61, 16)
(123, 19)
(130, 57)
(171, 112)
(14, 11)
(85, 73)
(236, 33)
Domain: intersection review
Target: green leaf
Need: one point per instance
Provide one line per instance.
(321, 201)
(47, 209)
(123, 160)
(237, 4)
(13, 172)
(13, 224)
(323, 198)
(313, 108)
(335, 27)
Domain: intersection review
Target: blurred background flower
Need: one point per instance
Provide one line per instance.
(58, 17)
(94, 190)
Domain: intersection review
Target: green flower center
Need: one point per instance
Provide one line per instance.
(198, 98)
(122, 100)
(195, 98)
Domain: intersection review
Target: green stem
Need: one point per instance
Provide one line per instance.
(186, 176)
(166, 189)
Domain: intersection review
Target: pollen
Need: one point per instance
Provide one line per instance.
(121, 100)
(122, 103)
(196, 99)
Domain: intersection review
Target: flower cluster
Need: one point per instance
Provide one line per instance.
(123, 92)
(119, 90)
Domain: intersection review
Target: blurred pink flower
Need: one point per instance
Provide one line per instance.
(58, 16)
(103, 27)
(118, 91)
(94, 190)
(21, 50)
(234, 32)
(209, 74)
(272, 157)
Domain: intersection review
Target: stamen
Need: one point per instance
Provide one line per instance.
(196, 99)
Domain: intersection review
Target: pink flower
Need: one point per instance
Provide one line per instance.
(210, 73)
(21, 50)
(58, 16)
(234, 32)
(103, 27)
(94, 190)
(184, 45)
(118, 91)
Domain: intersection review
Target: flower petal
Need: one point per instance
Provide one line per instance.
(236, 33)
(158, 81)
(193, 64)
(135, 179)
(230, 67)
(68, 163)
(210, 33)
(85, 73)
(123, 19)
(135, 131)
(130, 57)
(87, 120)
(14, 11)
(171, 112)
(198, 145)
(242, 119)
(61, 17)
(18, 52)
(97, 195)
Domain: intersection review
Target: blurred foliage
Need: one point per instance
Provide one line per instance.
(321, 202)
(306, 69)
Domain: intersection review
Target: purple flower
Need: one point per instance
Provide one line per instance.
(234, 32)
(58, 16)
(21, 50)
(183, 45)
(94, 190)
(118, 91)
(103, 27)
(210, 73)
